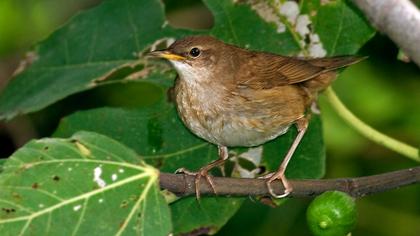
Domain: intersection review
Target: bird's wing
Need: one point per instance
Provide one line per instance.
(269, 70)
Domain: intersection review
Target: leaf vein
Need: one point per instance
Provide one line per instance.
(137, 204)
(340, 28)
(147, 173)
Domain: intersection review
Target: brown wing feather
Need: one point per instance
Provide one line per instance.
(268, 70)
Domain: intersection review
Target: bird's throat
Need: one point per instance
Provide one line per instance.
(192, 74)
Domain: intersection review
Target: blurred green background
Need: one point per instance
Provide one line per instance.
(382, 91)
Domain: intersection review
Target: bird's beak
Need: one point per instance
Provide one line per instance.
(166, 54)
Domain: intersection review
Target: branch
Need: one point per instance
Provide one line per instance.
(399, 19)
(183, 185)
(369, 132)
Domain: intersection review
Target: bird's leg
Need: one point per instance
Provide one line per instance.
(302, 125)
(203, 172)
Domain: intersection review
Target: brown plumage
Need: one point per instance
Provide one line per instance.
(230, 96)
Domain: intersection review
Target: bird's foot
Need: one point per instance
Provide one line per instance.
(277, 176)
(203, 172)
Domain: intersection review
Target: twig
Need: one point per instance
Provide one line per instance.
(399, 19)
(183, 185)
(368, 131)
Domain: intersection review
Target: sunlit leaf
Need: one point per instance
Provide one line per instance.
(78, 186)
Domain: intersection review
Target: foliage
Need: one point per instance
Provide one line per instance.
(73, 181)
(106, 45)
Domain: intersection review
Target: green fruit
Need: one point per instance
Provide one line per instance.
(332, 213)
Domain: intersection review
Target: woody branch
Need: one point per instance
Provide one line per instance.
(183, 185)
(399, 19)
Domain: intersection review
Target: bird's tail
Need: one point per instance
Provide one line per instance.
(330, 66)
(334, 63)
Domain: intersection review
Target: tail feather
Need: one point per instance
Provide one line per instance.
(333, 63)
(330, 64)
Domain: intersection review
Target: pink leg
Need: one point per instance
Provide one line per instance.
(302, 125)
(203, 172)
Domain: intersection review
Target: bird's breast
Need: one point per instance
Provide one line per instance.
(205, 112)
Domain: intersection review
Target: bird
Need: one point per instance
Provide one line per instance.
(235, 97)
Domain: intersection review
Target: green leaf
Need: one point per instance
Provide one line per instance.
(2, 161)
(204, 218)
(342, 28)
(89, 51)
(238, 24)
(86, 184)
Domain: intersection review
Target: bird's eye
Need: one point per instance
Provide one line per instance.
(195, 52)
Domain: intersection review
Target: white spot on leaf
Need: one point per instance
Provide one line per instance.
(264, 10)
(278, 12)
(316, 50)
(30, 57)
(302, 25)
(77, 207)
(97, 172)
(313, 46)
(114, 177)
(166, 41)
(253, 155)
(170, 41)
(244, 173)
(290, 10)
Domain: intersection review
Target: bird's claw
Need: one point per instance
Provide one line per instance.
(277, 176)
(203, 172)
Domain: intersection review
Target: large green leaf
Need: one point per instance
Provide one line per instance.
(87, 52)
(87, 184)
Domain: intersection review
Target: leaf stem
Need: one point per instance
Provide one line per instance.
(368, 131)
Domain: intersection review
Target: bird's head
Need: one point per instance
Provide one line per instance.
(193, 57)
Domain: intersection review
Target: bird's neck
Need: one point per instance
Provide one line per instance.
(206, 94)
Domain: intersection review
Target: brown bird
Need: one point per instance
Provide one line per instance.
(233, 97)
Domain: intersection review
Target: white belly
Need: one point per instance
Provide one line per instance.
(207, 119)
(228, 130)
